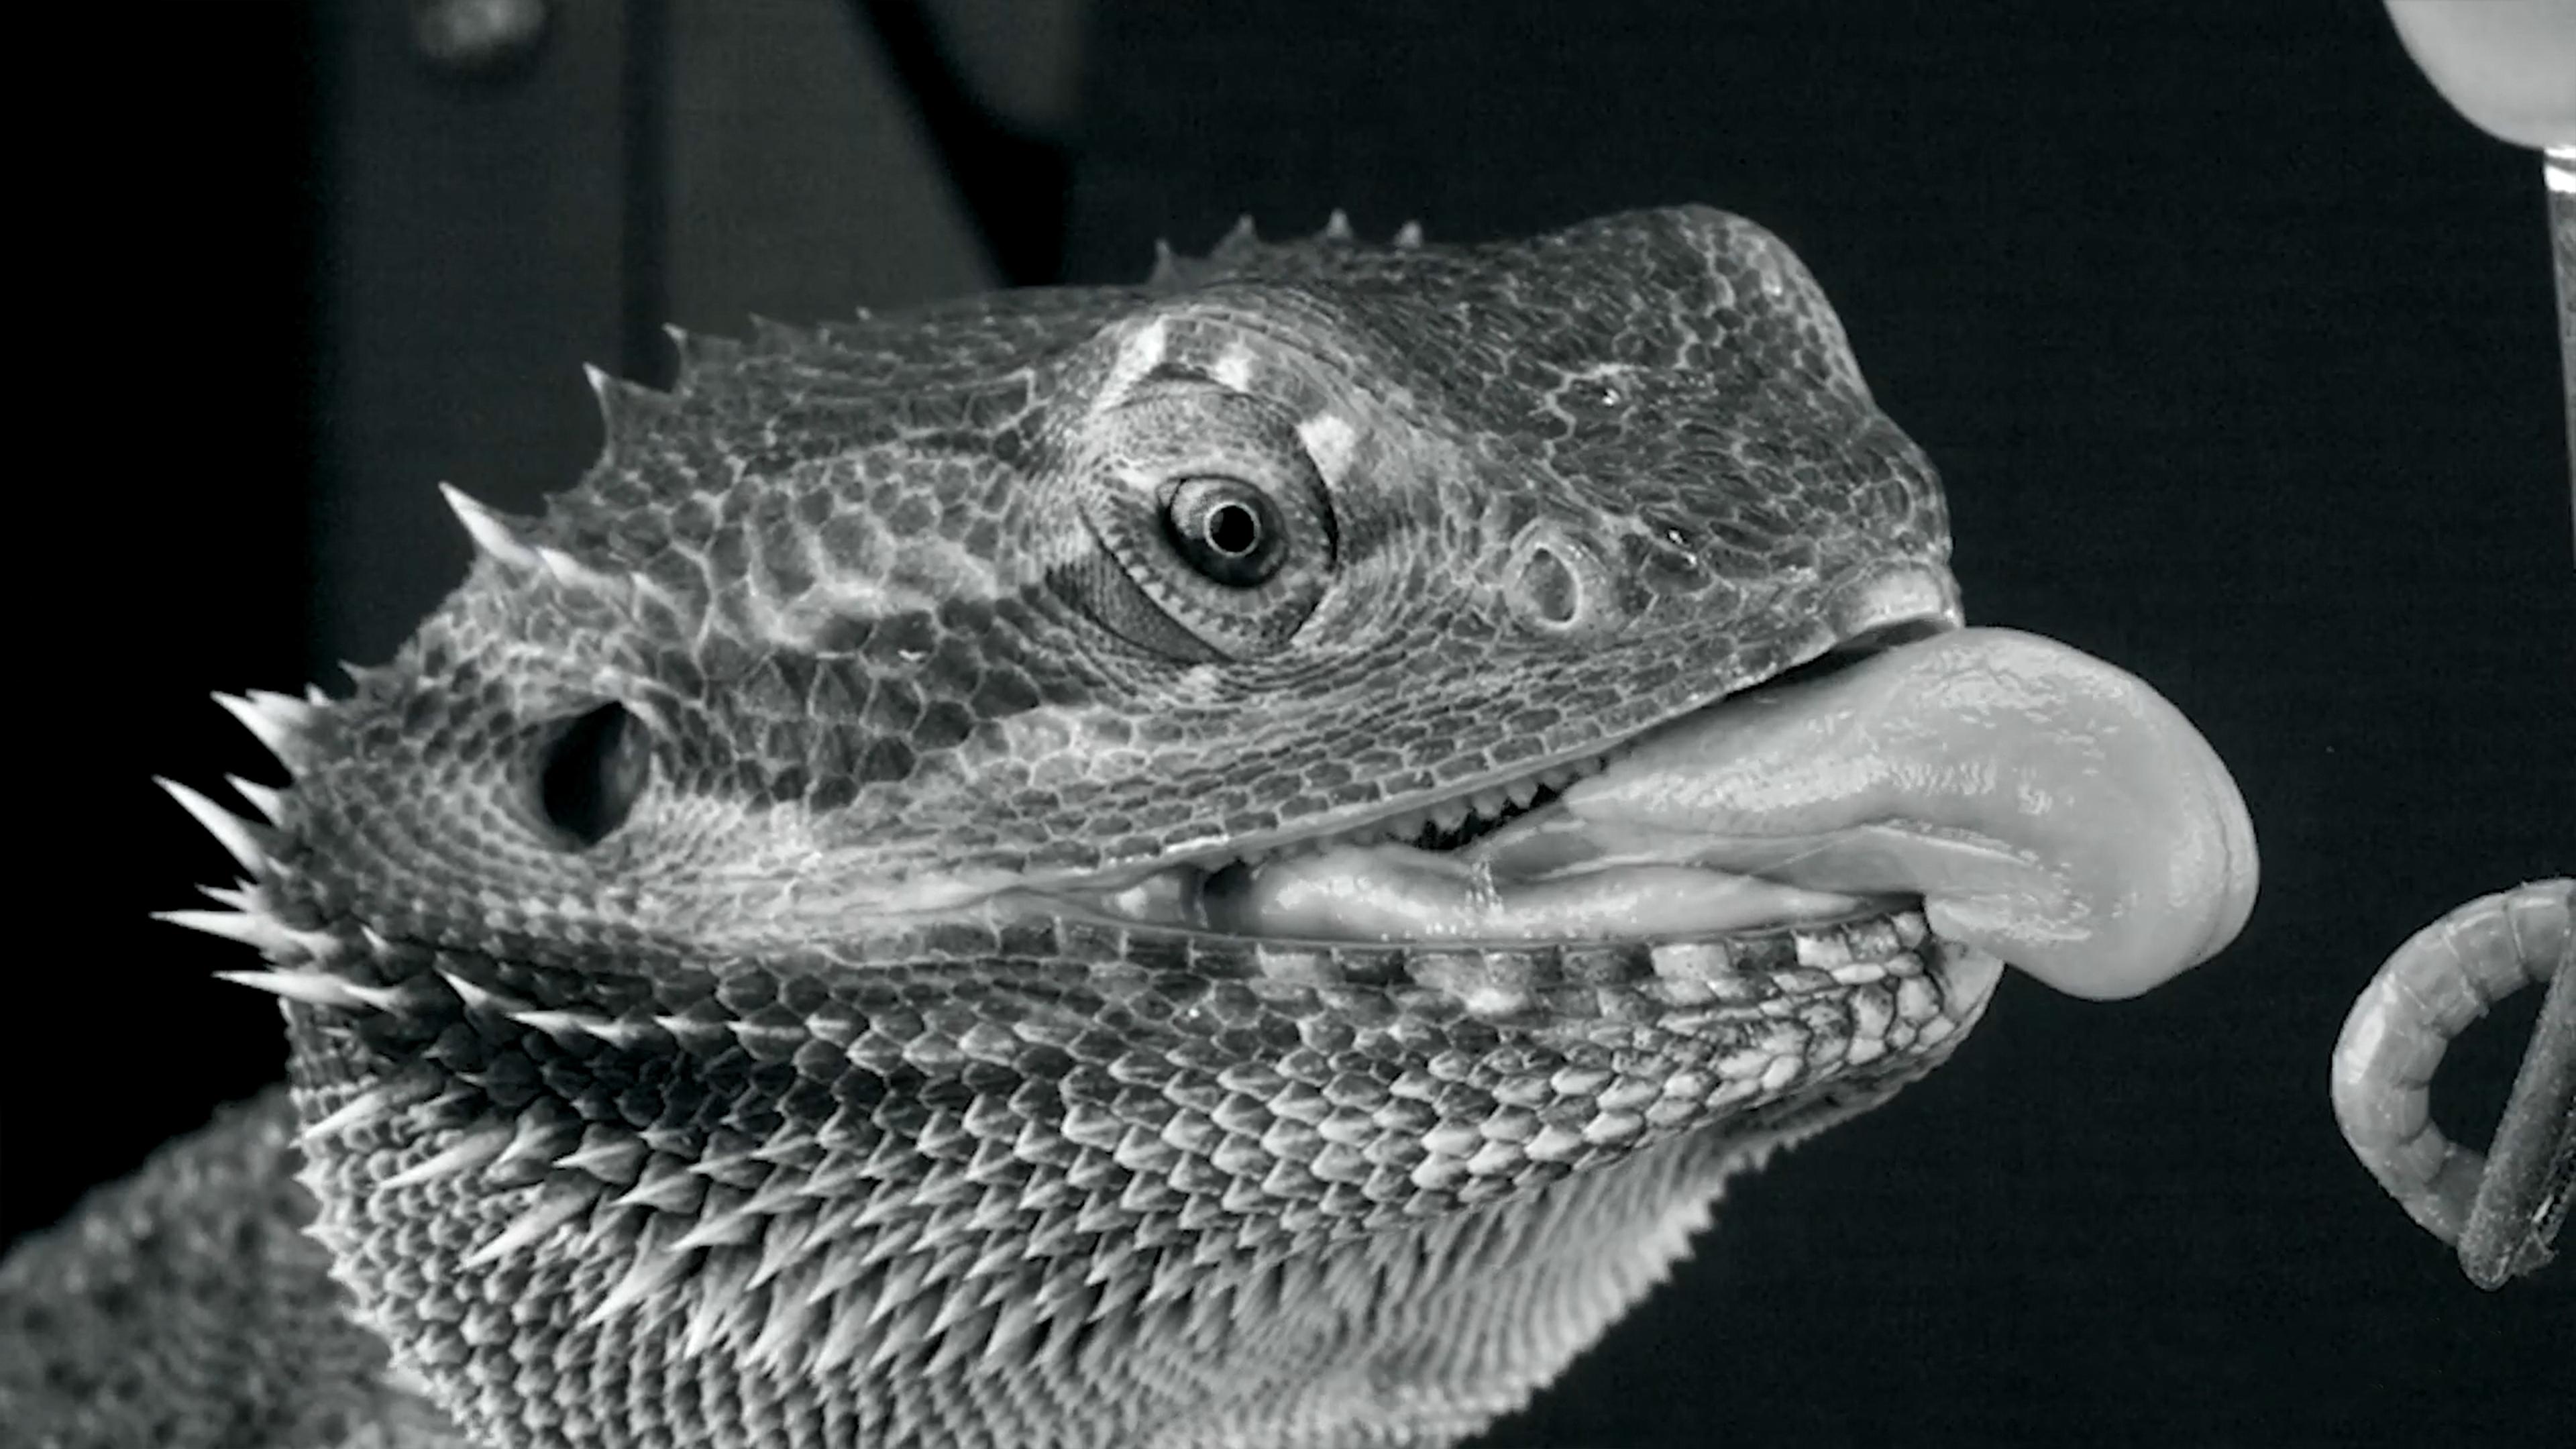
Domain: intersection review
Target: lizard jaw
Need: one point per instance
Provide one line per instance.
(2041, 805)
(1207, 890)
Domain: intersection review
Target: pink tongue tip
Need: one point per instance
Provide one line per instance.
(2051, 809)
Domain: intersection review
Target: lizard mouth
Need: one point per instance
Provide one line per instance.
(2029, 803)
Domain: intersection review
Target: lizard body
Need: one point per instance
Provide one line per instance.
(756, 961)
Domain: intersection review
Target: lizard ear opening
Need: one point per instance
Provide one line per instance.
(593, 771)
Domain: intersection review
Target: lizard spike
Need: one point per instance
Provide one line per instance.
(841, 1266)
(758, 1036)
(269, 801)
(624, 407)
(792, 1144)
(238, 898)
(768, 334)
(1173, 1274)
(619, 1032)
(492, 534)
(554, 1022)
(1242, 239)
(456, 1102)
(849, 1333)
(645, 588)
(480, 998)
(721, 1230)
(783, 1242)
(364, 1106)
(535, 1143)
(313, 988)
(1337, 227)
(391, 1000)
(609, 1157)
(699, 352)
(1002, 1251)
(1061, 1294)
(572, 573)
(961, 1336)
(552, 1210)
(786, 1328)
(463, 1155)
(1167, 266)
(671, 1141)
(905, 1333)
(296, 712)
(900, 1285)
(1409, 235)
(784, 1191)
(721, 1167)
(1012, 1329)
(245, 927)
(718, 1285)
(277, 721)
(664, 1188)
(654, 1269)
(240, 839)
(696, 1034)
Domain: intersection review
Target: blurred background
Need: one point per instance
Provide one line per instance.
(2233, 343)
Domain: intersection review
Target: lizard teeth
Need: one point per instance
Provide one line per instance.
(1173, 895)
(1400, 827)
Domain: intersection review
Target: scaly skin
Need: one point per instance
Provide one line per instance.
(769, 1073)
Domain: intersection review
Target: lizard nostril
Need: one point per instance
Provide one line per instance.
(592, 773)
(1549, 588)
(1559, 588)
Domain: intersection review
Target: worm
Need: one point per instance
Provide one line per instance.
(2502, 1214)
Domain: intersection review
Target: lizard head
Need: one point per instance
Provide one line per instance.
(816, 902)
(1312, 539)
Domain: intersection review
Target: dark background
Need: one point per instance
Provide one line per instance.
(2232, 341)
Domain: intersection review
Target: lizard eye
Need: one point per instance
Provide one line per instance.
(1226, 529)
(1216, 534)
(591, 773)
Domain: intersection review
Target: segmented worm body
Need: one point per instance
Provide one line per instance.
(2503, 1213)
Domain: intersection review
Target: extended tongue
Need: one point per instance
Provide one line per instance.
(2050, 808)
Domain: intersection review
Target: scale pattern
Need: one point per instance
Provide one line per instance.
(782, 1090)
(1057, 1184)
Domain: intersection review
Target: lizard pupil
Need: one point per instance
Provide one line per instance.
(1233, 530)
(1226, 529)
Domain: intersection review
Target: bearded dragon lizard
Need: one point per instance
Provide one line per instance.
(1223, 862)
